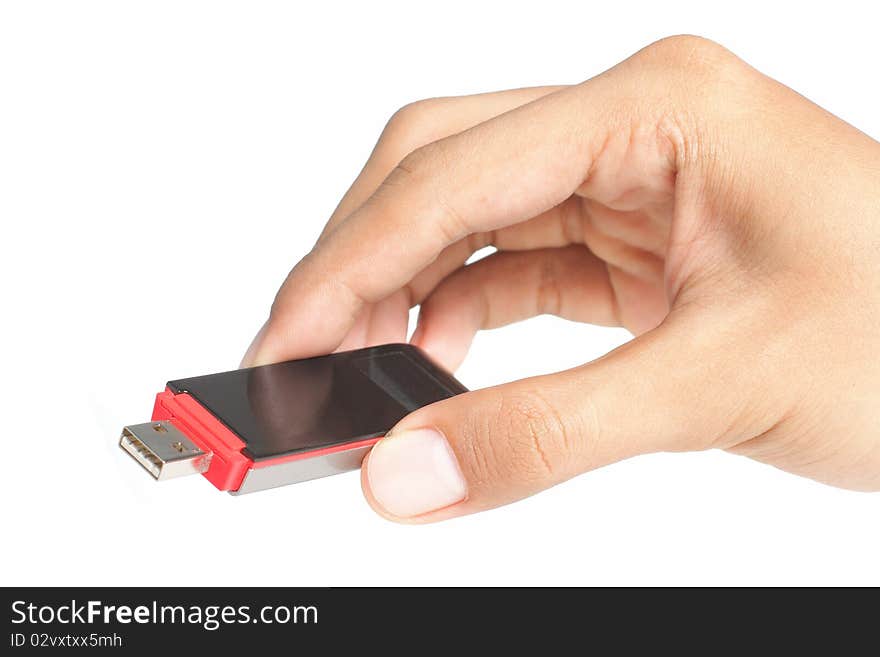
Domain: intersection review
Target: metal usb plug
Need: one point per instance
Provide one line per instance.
(163, 450)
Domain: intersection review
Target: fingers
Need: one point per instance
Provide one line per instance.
(411, 127)
(383, 322)
(558, 226)
(386, 320)
(421, 123)
(528, 161)
(510, 286)
(494, 446)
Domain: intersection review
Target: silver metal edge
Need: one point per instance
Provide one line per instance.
(305, 469)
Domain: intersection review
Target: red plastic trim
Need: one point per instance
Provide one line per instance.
(228, 465)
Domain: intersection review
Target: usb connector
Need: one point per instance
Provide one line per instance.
(163, 450)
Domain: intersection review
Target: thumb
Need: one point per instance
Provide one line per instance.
(664, 391)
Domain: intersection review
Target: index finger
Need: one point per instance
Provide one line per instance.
(498, 173)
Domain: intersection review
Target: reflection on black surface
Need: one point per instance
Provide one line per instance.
(316, 402)
(319, 402)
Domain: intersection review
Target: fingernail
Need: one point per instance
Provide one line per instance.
(414, 472)
(251, 352)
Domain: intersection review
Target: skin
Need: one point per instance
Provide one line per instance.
(729, 223)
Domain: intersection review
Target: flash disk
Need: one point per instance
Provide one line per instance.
(261, 427)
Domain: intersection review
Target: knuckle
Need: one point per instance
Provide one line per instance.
(410, 127)
(414, 113)
(296, 274)
(424, 173)
(411, 170)
(549, 295)
(478, 450)
(688, 51)
(695, 86)
(689, 69)
(416, 161)
(535, 436)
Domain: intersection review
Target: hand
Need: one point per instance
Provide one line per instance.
(729, 223)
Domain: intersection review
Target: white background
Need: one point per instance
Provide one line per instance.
(163, 164)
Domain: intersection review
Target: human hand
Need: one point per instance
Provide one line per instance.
(729, 223)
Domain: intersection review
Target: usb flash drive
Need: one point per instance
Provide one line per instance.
(267, 426)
